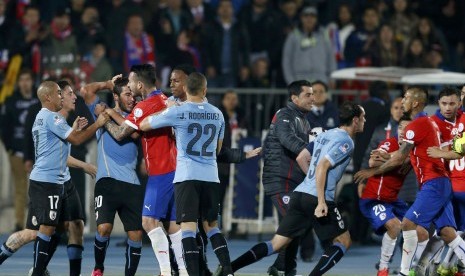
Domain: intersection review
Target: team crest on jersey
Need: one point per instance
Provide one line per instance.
(52, 215)
(382, 216)
(410, 134)
(286, 199)
(341, 224)
(385, 146)
(344, 148)
(138, 112)
(57, 119)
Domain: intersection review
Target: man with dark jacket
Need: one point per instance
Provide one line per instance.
(288, 135)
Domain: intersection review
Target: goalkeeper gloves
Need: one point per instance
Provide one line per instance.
(457, 144)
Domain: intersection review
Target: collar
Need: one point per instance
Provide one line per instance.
(293, 106)
(440, 116)
(421, 114)
(153, 93)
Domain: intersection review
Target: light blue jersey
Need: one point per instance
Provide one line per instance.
(198, 128)
(336, 146)
(115, 159)
(49, 132)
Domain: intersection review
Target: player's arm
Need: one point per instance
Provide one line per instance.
(436, 152)
(320, 175)
(77, 137)
(218, 147)
(119, 120)
(286, 133)
(378, 157)
(304, 157)
(396, 160)
(89, 91)
(119, 132)
(157, 120)
(86, 167)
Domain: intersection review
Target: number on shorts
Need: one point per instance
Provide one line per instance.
(338, 215)
(53, 201)
(198, 134)
(98, 201)
(378, 209)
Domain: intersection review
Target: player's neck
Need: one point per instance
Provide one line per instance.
(350, 130)
(415, 112)
(195, 99)
(147, 91)
(64, 113)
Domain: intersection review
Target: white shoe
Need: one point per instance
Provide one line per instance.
(46, 272)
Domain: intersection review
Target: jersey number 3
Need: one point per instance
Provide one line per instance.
(208, 129)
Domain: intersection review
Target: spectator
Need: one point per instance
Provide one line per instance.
(13, 116)
(77, 9)
(199, 12)
(260, 77)
(429, 35)
(139, 46)
(415, 56)
(10, 37)
(339, 31)
(60, 52)
(307, 51)
(385, 51)
(184, 52)
(225, 49)
(323, 114)
(359, 41)
(435, 57)
(96, 67)
(89, 30)
(402, 21)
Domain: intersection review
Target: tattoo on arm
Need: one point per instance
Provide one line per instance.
(397, 160)
(118, 132)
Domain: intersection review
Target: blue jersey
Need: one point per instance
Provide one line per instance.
(336, 146)
(115, 159)
(198, 128)
(49, 133)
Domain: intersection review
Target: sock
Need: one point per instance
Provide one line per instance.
(191, 252)
(75, 259)
(220, 247)
(5, 253)
(330, 258)
(176, 244)
(203, 267)
(100, 250)
(408, 250)
(54, 241)
(160, 246)
(387, 249)
(255, 254)
(433, 248)
(458, 245)
(173, 263)
(420, 248)
(133, 253)
(41, 249)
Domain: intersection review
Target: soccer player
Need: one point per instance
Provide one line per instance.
(199, 128)
(432, 204)
(160, 159)
(116, 178)
(48, 196)
(313, 202)
(378, 201)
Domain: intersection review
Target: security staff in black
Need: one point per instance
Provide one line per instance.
(288, 135)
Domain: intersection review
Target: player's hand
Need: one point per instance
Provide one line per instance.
(28, 164)
(99, 108)
(363, 175)
(90, 170)
(102, 119)
(321, 210)
(253, 153)
(170, 103)
(380, 154)
(80, 123)
(434, 152)
(113, 80)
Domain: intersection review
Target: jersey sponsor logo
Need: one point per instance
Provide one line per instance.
(286, 199)
(416, 214)
(52, 215)
(138, 112)
(410, 134)
(147, 207)
(344, 148)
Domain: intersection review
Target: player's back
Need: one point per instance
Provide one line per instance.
(198, 128)
(423, 133)
(51, 149)
(336, 146)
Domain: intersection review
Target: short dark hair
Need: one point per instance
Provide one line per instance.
(448, 91)
(405, 117)
(322, 83)
(145, 73)
(62, 84)
(120, 83)
(185, 68)
(348, 111)
(196, 82)
(295, 87)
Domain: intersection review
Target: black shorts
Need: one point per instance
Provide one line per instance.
(71, 207)
(46, 203)
(300, 217)
(281, 203)
(196, 199)
(111, 196)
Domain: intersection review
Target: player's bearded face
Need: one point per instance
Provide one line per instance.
(126, 101)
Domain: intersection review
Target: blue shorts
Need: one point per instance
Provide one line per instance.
(379, 212)
(159, 197)
(433, 205)
(458, 201)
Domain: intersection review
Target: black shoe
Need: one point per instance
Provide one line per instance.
(273, 271)
(218, 271)
(307, 259)
(291, 273)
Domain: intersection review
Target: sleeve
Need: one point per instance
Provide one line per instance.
(230, 155)
(286, 133)
(164, 119)
(92, 106)
(310, 147)
(58, 125)
(413, 133)
(339, 151)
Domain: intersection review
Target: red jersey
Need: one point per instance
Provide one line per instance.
(386, 187)
(457, 167)
(159, 145)
(447, 129)
(423, 133)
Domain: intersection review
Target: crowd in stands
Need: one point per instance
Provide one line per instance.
(236, 43)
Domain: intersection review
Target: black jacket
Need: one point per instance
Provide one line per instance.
(287, 137)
